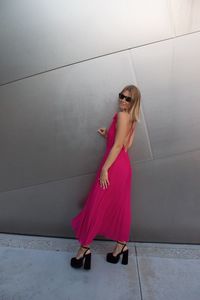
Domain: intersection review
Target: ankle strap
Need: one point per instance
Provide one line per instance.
(121, 243)
(85, 247)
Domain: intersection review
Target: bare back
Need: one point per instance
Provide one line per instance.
(129, 136)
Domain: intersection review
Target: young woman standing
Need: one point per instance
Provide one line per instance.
(107, 209)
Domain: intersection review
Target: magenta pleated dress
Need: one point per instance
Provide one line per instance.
(107, 211)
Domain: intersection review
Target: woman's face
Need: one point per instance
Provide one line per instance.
(123, 104)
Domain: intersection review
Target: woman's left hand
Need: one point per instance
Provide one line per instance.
(104, 181)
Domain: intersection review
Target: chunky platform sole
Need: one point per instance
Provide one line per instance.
(114, 259)
(78, 262)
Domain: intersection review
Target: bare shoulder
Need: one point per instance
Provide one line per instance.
(122, 115)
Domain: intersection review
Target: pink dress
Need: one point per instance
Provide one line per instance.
(107, 211)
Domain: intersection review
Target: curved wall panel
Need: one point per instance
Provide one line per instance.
(62, 65)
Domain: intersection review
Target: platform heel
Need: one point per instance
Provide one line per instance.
(78, 262)
(87, 263)
(114, 259)
(125, 258)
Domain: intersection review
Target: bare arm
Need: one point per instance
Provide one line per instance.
(122, 123)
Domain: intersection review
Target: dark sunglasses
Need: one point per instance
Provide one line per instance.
(122, 96)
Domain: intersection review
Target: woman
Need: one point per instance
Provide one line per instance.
(107, 209)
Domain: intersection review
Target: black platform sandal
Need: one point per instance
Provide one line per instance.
(78, 262)
(114, 259)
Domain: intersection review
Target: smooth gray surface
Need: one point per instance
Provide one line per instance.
(39, 268)
(169, 74)
(47, 274)
(166, 199)
(43, 35)
(51, 123)
(186, 15)
(50, 148)
(168, 278)
(172, 210)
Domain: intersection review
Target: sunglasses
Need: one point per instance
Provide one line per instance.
(122, 96)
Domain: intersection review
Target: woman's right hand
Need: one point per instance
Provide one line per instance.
(102, 131)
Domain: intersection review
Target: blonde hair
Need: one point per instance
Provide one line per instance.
(135, 102)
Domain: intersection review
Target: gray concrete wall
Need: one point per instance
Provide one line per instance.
(62, 64)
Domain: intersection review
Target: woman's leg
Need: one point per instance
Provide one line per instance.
(118, 247)
(82, 250)
(86, 245)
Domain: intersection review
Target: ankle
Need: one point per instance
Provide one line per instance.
(121, 241)
(85, 245)
(121, 245)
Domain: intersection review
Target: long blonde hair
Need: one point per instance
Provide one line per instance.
(134, 110)
(135, 102)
